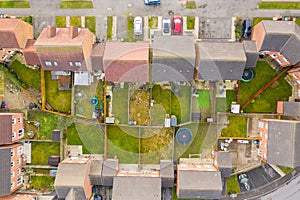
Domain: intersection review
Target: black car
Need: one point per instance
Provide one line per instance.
(247, 28)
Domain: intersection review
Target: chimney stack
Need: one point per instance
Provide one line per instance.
(51, 31)
(73, 32)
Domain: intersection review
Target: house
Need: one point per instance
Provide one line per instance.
(11, 166)
(252, 54)
(72, 180)
(95, 172)
(219, 61)
(65, 49)
(278, 39)
(279, 142)
(109, 171)
(126, 61)
(97, 57)
(11, 128)
(200, 180)
(173, 58)
(223, 162)
(288, 108)
(14, 33)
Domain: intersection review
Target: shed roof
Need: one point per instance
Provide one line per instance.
(56, 135)
(136, 188)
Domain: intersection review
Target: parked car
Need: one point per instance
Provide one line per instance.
(138, 25)
(247, 28)
(166, 27)
(152, 2)
(243, 179)
(177, 21)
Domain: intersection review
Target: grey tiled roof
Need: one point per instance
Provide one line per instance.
(4, 171)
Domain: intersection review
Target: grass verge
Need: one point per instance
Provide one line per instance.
(190, 22)
(75, 21)
(279, 5)
(60, 21)
(90, 23)
(286, 170)
(14, 4)
(191, 5)
(237, 127)
(109, 27)
(76, 4)
(130, 26)
(232, 185)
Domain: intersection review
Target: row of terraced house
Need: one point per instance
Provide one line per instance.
(74, 58)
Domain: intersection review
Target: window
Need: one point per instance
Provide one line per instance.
(18, 161)
(13, 121)
(260, 143)
(19, 120)
(19, 171)
(71, 64)
(19, 180)
(12, 185)
(261, 124)
(12, 174)
(48, 63)
(12, 163)
(266, 136)
(267, 126)
(21, 132)
(266, 145)
(12, 154)
(78, 64)
(20, 150)
(55, 63)
(13, 135)
(261, 134)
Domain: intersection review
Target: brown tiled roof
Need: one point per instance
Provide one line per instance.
(62, 48)
(126, 61)
(29, 53)
(97, 56)
(5, 129)
(14, 33)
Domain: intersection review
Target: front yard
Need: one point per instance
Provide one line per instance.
(41, 151)
(43, 184)
(76, 4)
(59, 100)
(232, 185)
(266, 101)
(237, 127)
(14, 4)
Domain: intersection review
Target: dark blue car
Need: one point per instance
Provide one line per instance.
(152, 2)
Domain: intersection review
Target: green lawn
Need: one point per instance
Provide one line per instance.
(221, 104)
(279, 5)
(162, 104)
(237, 127)
(14, 4)
(27, 75)
(41, 151)
(285, 170)
(231, 96)
(181, 104)
(2, 84)
(76, 4)
(48, 122)
(265, 102)
(190, 22)
(82, 106)
(130, 34)
(90, 23)
(199, 131)
(152, 24)
(191, 5)
(232, 185)
(120, 104)
(91, 137)
(109, 27)
(60, 21)
(75, 21)
(124, 143)
(59, 100)
(298, 21)
(42, 183)
(203, 99)
(256, 20)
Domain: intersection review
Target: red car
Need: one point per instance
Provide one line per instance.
(177, 21)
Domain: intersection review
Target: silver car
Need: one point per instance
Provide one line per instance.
(166, 27)
(138, 26)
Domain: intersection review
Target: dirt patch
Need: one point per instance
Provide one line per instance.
(139, 108)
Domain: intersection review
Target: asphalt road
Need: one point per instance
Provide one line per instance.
(290, 191)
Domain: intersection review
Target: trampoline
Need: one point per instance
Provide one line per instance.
(184, 136)
(248, 74)
(94, 101)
